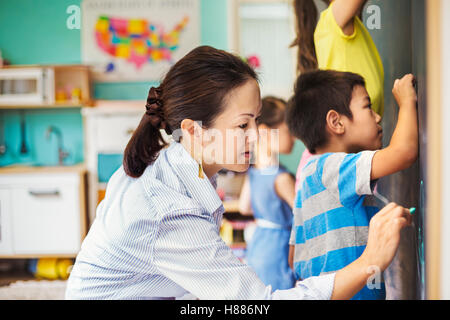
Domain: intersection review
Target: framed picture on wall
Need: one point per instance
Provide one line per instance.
(137, 40)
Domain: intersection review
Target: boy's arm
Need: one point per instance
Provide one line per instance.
(344, 11)
(403, 149)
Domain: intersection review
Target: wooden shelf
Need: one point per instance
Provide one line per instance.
(17, 168)
(238, 245)
(54, 86)
(236, 216)
(231, 205)
(60, 105)
(56, 66)
(39, 256)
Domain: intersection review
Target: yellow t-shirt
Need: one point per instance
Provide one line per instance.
(354, 53)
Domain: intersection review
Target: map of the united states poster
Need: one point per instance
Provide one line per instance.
(137, 39)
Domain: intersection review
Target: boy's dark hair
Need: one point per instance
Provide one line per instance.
(315, 93)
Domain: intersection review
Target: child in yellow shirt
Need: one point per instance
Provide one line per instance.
(339, 41)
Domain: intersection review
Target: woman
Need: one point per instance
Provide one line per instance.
(156, 233)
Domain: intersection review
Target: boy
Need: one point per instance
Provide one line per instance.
(331, 113)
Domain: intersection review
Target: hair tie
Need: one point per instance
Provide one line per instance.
(155, 111)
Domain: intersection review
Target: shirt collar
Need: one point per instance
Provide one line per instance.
(186, 168)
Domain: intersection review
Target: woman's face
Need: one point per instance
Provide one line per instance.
(230, 141)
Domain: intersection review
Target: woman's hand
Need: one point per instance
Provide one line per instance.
(384, 235)
(382, 244)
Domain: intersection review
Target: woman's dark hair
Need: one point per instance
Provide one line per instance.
(196, 88)
(273, 111)
(316, 93)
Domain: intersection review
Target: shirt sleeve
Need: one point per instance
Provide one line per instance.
(348, 175)
(313, 288)
(190, 252)
(332, 26)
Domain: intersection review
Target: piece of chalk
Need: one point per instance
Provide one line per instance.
(412, 210)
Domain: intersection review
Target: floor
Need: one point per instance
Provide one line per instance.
(17, 283)
(34, 290)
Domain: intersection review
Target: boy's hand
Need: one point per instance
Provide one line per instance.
(404, 91)
(402, 151)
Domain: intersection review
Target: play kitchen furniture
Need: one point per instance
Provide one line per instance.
(42, 211)
(108, 126)
(44, 86)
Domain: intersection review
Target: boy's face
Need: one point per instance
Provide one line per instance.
(364, 131)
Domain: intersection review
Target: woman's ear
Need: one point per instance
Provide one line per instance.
(192, 131)
(187, 125)
(191, 127)
(335, 123)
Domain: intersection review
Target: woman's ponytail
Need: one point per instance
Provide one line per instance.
(146, 141)
(306, 17)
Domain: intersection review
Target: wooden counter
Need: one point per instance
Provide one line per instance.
(11, 169)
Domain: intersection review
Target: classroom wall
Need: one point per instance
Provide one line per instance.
(400, 42)
(418, 22)
(35, 32)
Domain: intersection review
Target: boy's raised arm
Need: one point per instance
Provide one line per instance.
(403, 149)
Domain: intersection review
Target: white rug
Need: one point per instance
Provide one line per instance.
(34, 290)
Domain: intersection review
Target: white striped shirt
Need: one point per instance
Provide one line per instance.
(157, 237)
